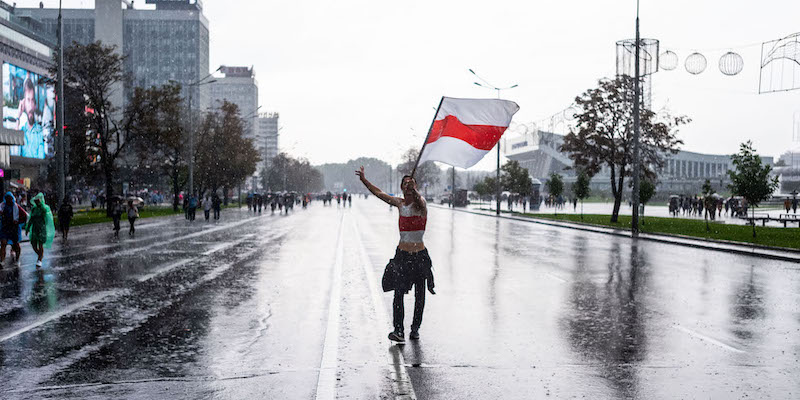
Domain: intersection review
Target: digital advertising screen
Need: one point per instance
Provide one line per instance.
(29, 106)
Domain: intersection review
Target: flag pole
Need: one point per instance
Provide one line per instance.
(425, 143)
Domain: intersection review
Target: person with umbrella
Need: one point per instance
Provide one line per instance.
(12, 217)
(40, 227)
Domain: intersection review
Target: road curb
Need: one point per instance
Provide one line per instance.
(723, 246)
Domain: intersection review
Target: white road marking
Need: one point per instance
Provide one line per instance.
(102, 295)
(326, 384)
(401, 383)
(708, 339)
(52, 317)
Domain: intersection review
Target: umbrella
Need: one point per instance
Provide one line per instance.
(137, 200)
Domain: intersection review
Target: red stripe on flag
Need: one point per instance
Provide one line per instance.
(415, 223)
(482, 137)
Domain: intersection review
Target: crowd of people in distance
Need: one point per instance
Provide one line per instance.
(341, 198)
(283, 201)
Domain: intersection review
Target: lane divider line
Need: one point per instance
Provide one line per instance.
(402, 387)
(708, 339)
(326, 383)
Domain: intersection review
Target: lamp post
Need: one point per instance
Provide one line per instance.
(487, 85)
(636, 129)
(191, 127)
(60, 157)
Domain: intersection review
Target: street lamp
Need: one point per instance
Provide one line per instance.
(191, 127)
(487, 85)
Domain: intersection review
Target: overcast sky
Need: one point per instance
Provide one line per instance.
(355, 78)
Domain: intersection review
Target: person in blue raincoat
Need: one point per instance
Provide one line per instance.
(40, 227)
(12, 217)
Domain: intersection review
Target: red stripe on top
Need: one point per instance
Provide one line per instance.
(415, 223)
(482, 137)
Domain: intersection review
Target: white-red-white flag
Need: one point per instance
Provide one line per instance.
(466, 129)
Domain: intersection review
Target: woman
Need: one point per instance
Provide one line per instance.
(40, 228)
(133, 213)
(12, 216)
(65, 217)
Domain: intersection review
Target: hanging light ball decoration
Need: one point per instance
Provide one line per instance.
(731, 63)
(696, 63)
(668, 60)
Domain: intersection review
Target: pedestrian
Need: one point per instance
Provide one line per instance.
(575, 204)
(216, 203)
(40, 228)
(260, 199)
(411, 263)
(65, 217)
(192, 207)
(787, 204)
(133, 213)
(207, 207)
(94, 201)
(116, 214)
(349, 200)
(794, 205)
(12, 217)
(186, 207)
(524, 203)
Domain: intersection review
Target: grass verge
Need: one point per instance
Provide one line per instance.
(765, 236)
(96, 216)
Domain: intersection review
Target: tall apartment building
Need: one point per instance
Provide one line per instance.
(238, 85)
(169, 43)
(268, 132)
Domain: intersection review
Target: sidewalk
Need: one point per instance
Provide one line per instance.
(717, 245)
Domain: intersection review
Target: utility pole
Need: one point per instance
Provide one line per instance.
(60, 159)
(636, 128)
(453, 191)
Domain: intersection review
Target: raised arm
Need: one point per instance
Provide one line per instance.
(392, 201)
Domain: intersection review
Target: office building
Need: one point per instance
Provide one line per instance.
(268, 135)
(169, 43)
(238, 85)
(683, 173)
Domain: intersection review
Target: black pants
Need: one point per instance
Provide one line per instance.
(415, 269)
(216, 213)
(208, 213)
(131, 220)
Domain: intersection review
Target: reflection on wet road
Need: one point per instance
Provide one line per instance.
(248, 308)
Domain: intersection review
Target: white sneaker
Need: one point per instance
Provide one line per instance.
(38, 264)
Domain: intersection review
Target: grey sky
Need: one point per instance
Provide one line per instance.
(360, 77)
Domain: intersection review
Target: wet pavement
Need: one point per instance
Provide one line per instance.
(290, 307)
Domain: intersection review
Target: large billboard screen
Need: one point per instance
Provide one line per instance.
(28, 106)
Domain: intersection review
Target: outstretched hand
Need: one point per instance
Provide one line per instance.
(360, 173)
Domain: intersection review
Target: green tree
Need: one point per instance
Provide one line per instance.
(486, 187)
(581, 187)
(94, 70)
(160, 138)
(603, 135)
(555, 186)
(751, 179)
(515, 179)
(224, 158)
(647, 189)
(291, 174)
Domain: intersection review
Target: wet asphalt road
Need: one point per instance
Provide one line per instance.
(289, 307)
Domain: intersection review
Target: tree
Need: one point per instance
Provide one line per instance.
(555, 186)
(486, 187)
(581, 187)
(160, 138)
(647, 189)
(291, 174)
(603, 136)
(515, 179)
(427, 173)
(224, 157)
(751, 179)
(94, 70)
